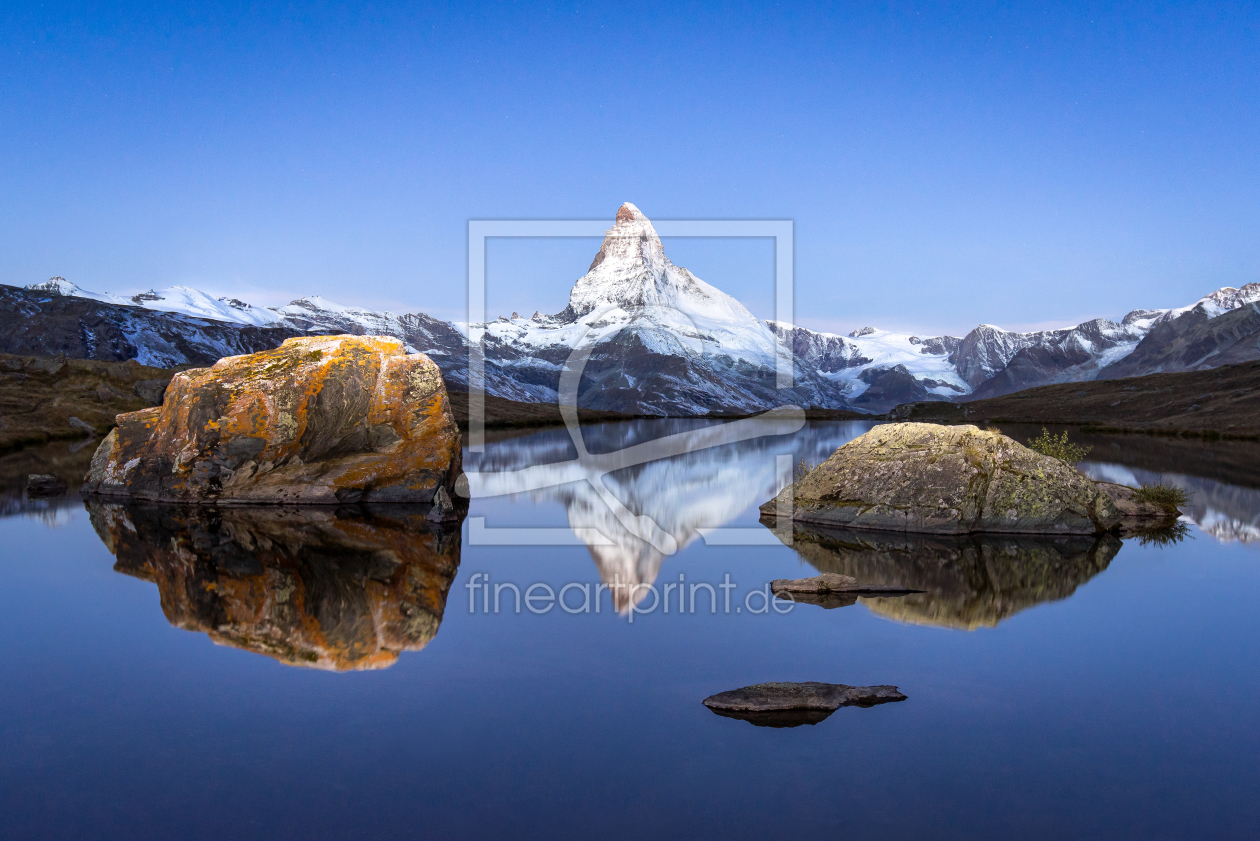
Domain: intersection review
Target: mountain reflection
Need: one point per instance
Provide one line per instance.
(1227, 512)
(338, 589)
(708, 486)
(969, 581)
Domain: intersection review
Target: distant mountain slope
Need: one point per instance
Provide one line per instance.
(181, 299)
(45, 323)
(1195, 340)
(1224, 400)
(876, 368)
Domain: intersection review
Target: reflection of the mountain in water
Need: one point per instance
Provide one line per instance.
(706, 487)
(968, 581)
(1223, 477)
(1227, 512)
(338, 589)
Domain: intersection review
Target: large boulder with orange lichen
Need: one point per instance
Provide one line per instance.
(321, 419)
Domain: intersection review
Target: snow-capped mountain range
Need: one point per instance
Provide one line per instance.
(663, 341)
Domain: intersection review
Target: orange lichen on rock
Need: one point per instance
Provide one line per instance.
(342, 589)
(321, 419)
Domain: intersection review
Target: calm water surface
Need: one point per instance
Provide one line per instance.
(319, 674)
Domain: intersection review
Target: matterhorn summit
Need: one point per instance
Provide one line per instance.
(632, 271)
(662, 340)
(631, 268)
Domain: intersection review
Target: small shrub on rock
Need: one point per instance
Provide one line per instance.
(1058, 446)
(1167, 497)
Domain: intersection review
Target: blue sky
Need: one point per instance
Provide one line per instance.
(945, 163)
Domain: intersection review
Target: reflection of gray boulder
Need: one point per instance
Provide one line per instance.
(793, 704)
(922, 477)
(968, 581)
(339, 589)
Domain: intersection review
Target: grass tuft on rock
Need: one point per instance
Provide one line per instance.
(803, 469)
(1168, 497)
(1058, 446)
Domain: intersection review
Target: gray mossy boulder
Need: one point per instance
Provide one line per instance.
(928, 478)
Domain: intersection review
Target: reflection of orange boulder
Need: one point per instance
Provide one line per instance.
(338, 589)
(321, 419)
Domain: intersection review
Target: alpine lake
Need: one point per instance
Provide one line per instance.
(360, 673)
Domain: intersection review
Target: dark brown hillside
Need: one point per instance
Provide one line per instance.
(40, 395)
(1221, 401)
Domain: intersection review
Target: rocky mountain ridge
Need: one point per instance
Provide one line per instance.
(659, 340)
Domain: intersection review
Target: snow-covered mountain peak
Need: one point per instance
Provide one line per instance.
(57, 284)
(317, 303)
(60, 286)
(1143, 319)
(630, 269)
(629, 214)
(631, 242)
(632, 272)
(1228, 298)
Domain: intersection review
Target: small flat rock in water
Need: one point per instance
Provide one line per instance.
(831, 590)
(825, 583)
(43, 484)
(81, 425)
(808, 697)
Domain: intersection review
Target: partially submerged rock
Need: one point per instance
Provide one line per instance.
(830, 590)
(1134, 512)
(824, 583)
(443, 509)
(44, 484)
(325, 419)
(793, 704)
(921, 477)
(82, 425)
